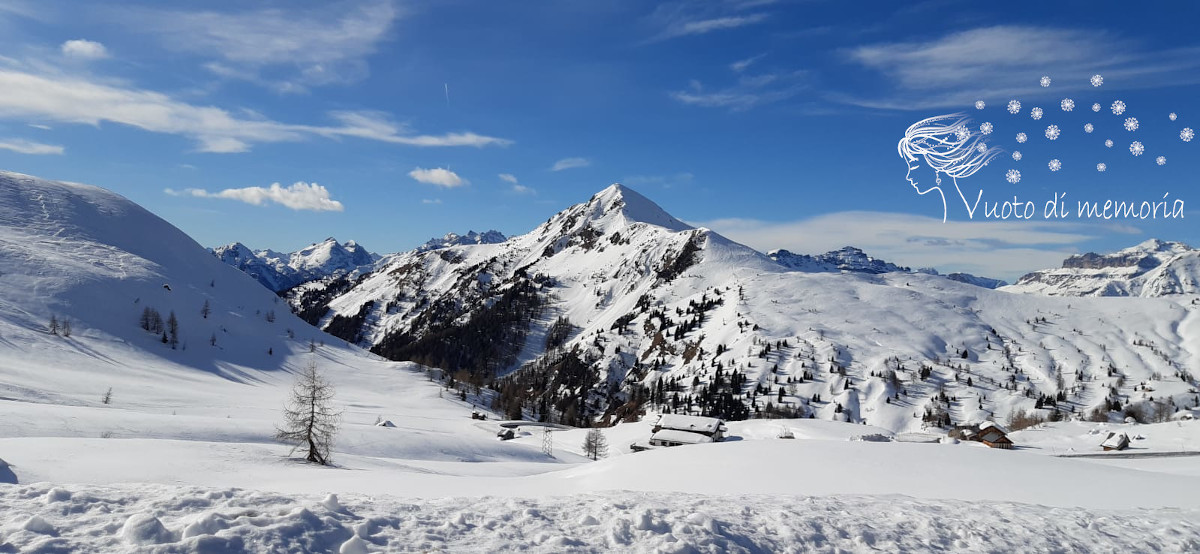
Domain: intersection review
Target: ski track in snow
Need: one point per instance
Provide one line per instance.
(165, 518)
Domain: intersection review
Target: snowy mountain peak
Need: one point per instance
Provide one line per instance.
(1152, 268)
(279, 271)
(847, 258)
(455, 239)
(624, 206)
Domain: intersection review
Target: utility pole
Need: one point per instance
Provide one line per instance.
(547, 441)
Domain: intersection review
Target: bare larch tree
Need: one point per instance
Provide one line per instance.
(310, 420)
(595, 446)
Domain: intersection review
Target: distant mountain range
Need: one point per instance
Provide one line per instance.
(279, 271)
(1151, 269)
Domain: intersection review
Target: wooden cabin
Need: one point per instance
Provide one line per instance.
(710, 427)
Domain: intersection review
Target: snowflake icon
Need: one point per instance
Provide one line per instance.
(1088, 127)
(1097, 80)
(1101, 167)
(1017, 156)
(1014, 107)
(1131, 124)
(1187, 134)
(1036, 113)
(1118, 107)
(1161, 160)
(1172, 117)
(1067, 105)
(980, 104)
(986, 128)
(1055, 165)
(962, 132)
(1052, 132)
(1096, 107)
(1108, 143)
(1044, 81)
(981, 148)
(1136, 148)
(1013, 176)
(1022, 137)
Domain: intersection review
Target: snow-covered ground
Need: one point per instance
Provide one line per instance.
(182, 459)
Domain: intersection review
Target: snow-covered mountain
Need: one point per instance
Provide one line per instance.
(455, 239)
(278, 271)
(1151, 269)
(854, 260)
(613, 305)
(848, 258)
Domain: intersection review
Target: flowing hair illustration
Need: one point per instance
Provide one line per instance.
(948, 146)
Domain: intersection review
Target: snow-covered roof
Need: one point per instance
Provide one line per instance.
(1115, 440)
(990, 424)
(685, 437)
(696, 424)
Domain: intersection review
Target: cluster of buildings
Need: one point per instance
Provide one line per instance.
(678, 430)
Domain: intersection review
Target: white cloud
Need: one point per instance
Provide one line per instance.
(75, 100)
(1006, 60)
(439, 176)
(1002, 249)
(433, 201)
(522, 189)
(741, 65)
(84, 49)
(40, 126)
(298, 196)
(517, 187)
(508, 178)
(747, 93)
(570, 163)
(22, 146)
(318, 46)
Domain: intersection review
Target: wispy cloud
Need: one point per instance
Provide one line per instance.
(995, 249)
(304, 48)
(517, 187)
(431, 201)
(1006, 60)
(680, 19)
(438, 176)
(76, 100)
(298, 196)
(748, 92)
(741, 65)
(84, 49)
(22, 146)
(570, 163)
(664, 181)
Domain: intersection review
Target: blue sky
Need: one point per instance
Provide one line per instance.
(774, 122)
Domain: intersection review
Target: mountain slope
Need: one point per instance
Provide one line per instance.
(613, 305)
(278, 272)
(1151, 269)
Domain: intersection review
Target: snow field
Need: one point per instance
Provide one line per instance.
(164, 518)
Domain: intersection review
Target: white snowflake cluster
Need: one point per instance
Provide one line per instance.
(1052, 132)
(1187, 134)
(1118, 107)
(1096, 107)
(1172, 117)
(1161, 160)
(1136, 148)
(981, 148)
(1097, 80)
(1131, 123)
(986, 128)
(1044, 81)
(1017, 156)
(1067, 104)
(1101, 167)
(1013, 176)
(1088, 127)
(1014, 107)
(1108, 143)
(962, 132)
(1036, 113)
(1022, 137)
(1055, 165)
(979, 105)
